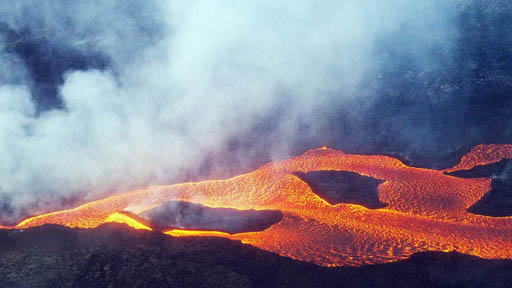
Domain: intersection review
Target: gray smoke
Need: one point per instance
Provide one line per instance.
(191, 216)
(103, 96)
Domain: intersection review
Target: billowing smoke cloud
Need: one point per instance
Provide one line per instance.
(102, 96)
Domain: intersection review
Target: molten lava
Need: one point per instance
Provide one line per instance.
(426, 211)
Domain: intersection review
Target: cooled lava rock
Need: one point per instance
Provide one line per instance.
(192, 216)
(483, 171)
(498, 201)
(344, 187)
(114, 255)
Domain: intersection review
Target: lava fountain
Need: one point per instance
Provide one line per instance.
(426, 209)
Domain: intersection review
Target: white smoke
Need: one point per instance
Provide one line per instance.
(163, 105)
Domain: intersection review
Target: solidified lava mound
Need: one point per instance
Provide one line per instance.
(113, 255)
(498, 201)
(344, 187)
(185, 215)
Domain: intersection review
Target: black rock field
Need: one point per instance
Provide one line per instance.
(115, 255)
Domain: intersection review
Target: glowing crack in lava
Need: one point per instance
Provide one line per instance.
(426, 211)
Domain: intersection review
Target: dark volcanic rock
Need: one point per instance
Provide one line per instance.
(449, 157)
(344, 187)
(498, 201)
(113, 255)
(192, 216)
(480, 171)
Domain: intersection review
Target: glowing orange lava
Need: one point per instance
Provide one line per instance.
(427, 210)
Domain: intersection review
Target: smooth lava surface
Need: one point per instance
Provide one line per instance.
(426, 209)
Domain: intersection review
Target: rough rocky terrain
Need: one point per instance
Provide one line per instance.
(113, 255)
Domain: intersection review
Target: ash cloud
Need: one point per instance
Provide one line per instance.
(100, 97)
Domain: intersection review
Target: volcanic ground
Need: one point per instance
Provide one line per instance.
(324, 207)
(113, 255)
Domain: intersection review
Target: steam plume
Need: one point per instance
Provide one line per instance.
(102, 96)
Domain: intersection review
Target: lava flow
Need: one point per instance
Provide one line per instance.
(426, 211)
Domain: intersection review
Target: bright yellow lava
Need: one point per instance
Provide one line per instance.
(124, 219)
(180, 233)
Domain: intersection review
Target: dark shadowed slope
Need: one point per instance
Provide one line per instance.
(113, 255)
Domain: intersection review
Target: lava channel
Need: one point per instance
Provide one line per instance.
(425, 209)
